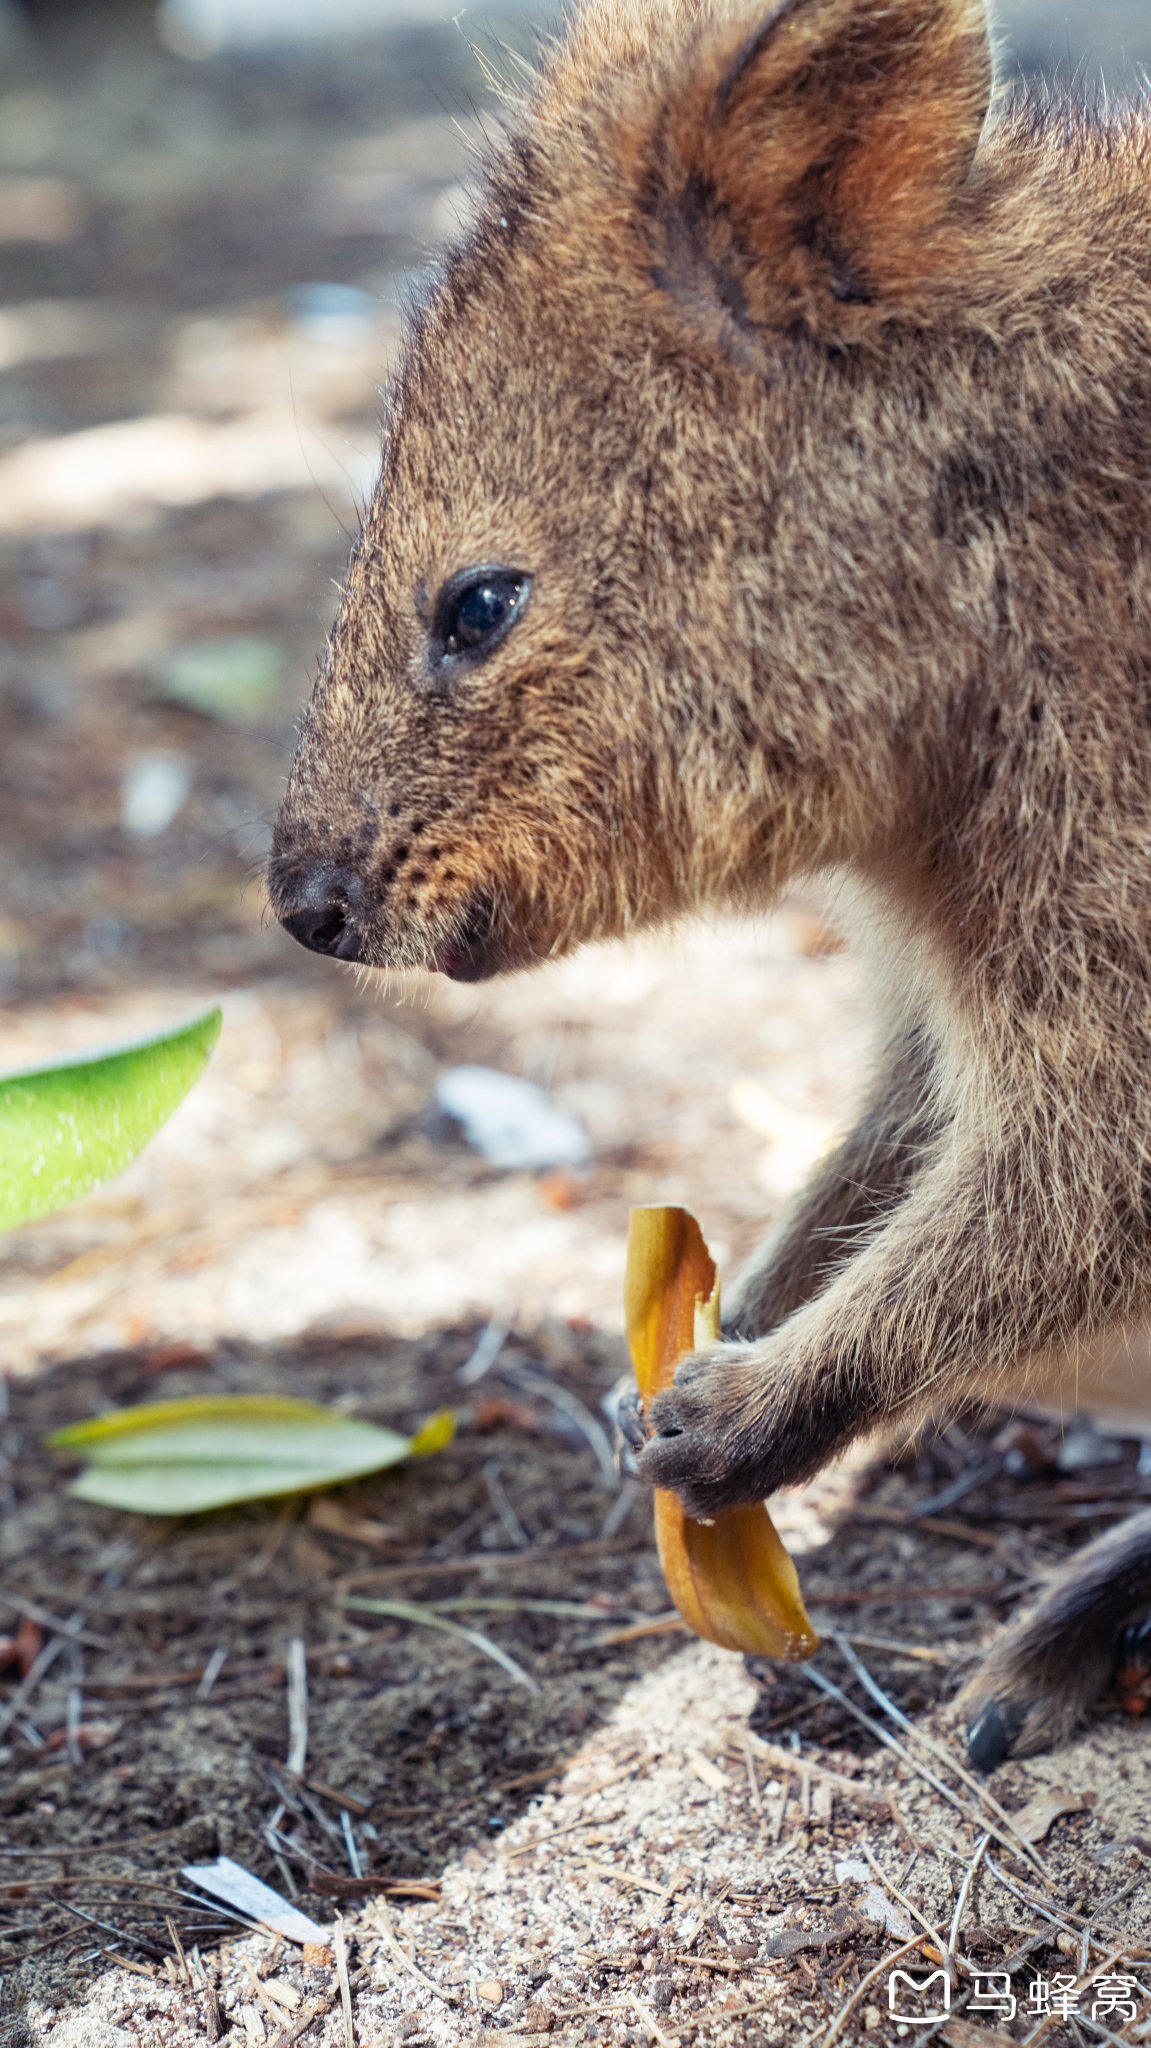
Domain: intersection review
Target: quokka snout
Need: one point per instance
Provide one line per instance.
(765, 492)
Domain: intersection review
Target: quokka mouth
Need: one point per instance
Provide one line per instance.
(476, 952)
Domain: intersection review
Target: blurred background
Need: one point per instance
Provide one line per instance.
(210, 216)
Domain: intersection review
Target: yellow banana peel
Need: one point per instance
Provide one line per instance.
(731, 1580)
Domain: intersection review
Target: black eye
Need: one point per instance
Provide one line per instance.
(476, 609)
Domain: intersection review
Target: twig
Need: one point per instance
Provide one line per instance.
(536, 1383)
(380, 1918)
(177, 1944)
(659, 1625)
(345, 1987)
(883, 1735)
(784, 1760)
(935, 1525)
(317, 2010)
(1097, 2027)
(283, 1522)
(613, 1521)
(276, 2013)
(211, 1671)
(27, 1686)
(284, 1845)
(650, 2022)
(885, 1596)
(360, 1807)
(453, 1567)
(864, 1985)
(351, 1844)
(903, 1828)
(407, 1610)
(976, 1475)
(1081, 1984)
(642, 1884)
(594, 1820)
(875, 1728)
(1018, 1957)
(297, 1708)
(1037, 1905)
(74, 1709)
(670, 1889)
(1088, 1921)
(502, 1505)
(889, 1885)
(122, 1962)
(282, 1864)
(752, 1781)
(213, 2019)
(936, 1749)
(492, 1339)
(495, 1603)
(706, 1909)
(961, 1901)
(303, 2020)
(134, 1940)
(781, 1808)
(52, 1621)
(300, 1800)
(918, 1652)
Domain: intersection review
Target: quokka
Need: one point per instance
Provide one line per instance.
(766, 493)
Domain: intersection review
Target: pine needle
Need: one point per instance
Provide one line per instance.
(425, 1617)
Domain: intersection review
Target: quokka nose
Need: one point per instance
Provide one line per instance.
(322, 915)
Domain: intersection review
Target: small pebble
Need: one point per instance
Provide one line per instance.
(490, 1990)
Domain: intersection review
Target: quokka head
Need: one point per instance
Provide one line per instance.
(600, 658)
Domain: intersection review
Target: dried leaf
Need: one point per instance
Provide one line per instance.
(438, 1430)
(732, 1580)
(708, 1773)
(1033, 1820)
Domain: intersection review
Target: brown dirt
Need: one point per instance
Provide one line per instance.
(452, 1764)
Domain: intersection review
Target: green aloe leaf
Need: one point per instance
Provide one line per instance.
(66, 1128)
(183, 1457)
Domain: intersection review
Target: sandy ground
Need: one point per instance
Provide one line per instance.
(666, 1834)
(316, 1128)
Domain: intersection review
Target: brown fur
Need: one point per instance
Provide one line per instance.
(818, 413)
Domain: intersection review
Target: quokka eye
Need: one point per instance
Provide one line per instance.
(478, 607)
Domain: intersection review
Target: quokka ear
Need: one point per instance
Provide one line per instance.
(812, 169)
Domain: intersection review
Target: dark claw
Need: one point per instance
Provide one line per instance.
(625, 1409)
(1133, 1666)
(1134, 1646)
(991, 1734)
